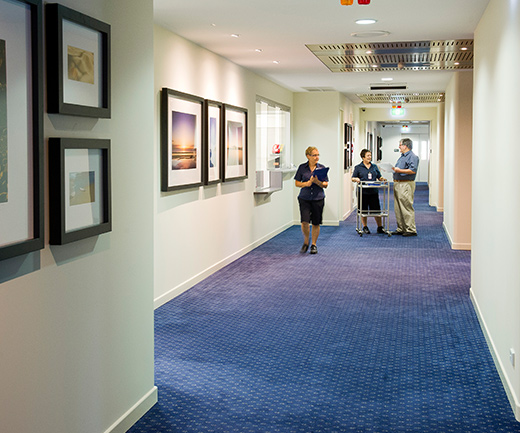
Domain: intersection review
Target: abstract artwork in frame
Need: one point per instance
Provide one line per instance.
(234, 166)
(212, 145)
(78, 63)
(181, 140)
(79, 189)
(21, 128)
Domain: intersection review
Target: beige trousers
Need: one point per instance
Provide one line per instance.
(403, 206)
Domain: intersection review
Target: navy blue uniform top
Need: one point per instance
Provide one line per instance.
(313, 192)
(407, 160)
(366, 175)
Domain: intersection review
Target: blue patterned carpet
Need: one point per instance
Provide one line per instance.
(373, 334)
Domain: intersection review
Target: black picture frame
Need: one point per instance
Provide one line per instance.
(235, 143)
(79, 200)
(181, 169)
(24, 42)
(349, 144)
(379, 148)
(68, 91)
(212, 158)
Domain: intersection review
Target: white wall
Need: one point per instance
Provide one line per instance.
(199, 230)
(76, 321)
(457, 160)
(495, 273)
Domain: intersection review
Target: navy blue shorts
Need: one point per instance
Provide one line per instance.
(311, 211)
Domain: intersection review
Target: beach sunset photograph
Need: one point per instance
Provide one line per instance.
(184, 153)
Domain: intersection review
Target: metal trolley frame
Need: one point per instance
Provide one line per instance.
(385, 205)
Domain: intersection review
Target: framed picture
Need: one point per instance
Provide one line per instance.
(79, 189)
(234, 165)
(181, 140)
(212, 144)
(78, 63)
(21, 128)
(348, 146)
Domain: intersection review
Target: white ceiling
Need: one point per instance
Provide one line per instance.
(282, 28)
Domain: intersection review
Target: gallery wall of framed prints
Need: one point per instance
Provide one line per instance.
(21, 128)
(203, 142)
(78, 84)
(78, 63)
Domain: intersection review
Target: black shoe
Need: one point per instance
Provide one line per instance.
(366, 230)
(397, 233)
(409, 234)
(380, 230)
(304, 248)
(314, 249)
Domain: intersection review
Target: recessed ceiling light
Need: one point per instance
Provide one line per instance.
(235, 35)
(369, 52)
(258, 50)
(387, 79)
(456, 63)
(464, 48)
(374, 66)
(276, 62)
(213, 25)
(364, 21)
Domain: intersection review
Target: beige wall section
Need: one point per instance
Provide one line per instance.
(350, 115)
(437, 155)
(317, 122)
(76, 321)
(495, 273)
(457, 160)
(200, 230)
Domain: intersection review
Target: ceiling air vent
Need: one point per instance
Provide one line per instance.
(389, 87)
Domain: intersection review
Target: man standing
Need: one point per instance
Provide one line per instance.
(404, 187)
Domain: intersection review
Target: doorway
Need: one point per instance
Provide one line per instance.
(418, 131)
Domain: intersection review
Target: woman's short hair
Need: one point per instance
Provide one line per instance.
(364, 152)
(310, 149)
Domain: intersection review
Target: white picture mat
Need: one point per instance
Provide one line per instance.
(16, 215)
(87, 214)
(214, 172)
(236, 170)
(186, 176)
(75, 92)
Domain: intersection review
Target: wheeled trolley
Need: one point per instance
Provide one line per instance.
(384, 201)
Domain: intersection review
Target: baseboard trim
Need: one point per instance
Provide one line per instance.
(513, 400)
(135, 412)
(347, 214)
(188, 284)
(455, 245)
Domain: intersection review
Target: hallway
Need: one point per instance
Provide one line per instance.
(374, 334)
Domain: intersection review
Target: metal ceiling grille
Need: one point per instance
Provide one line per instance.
(395, 56)
(378, 98)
